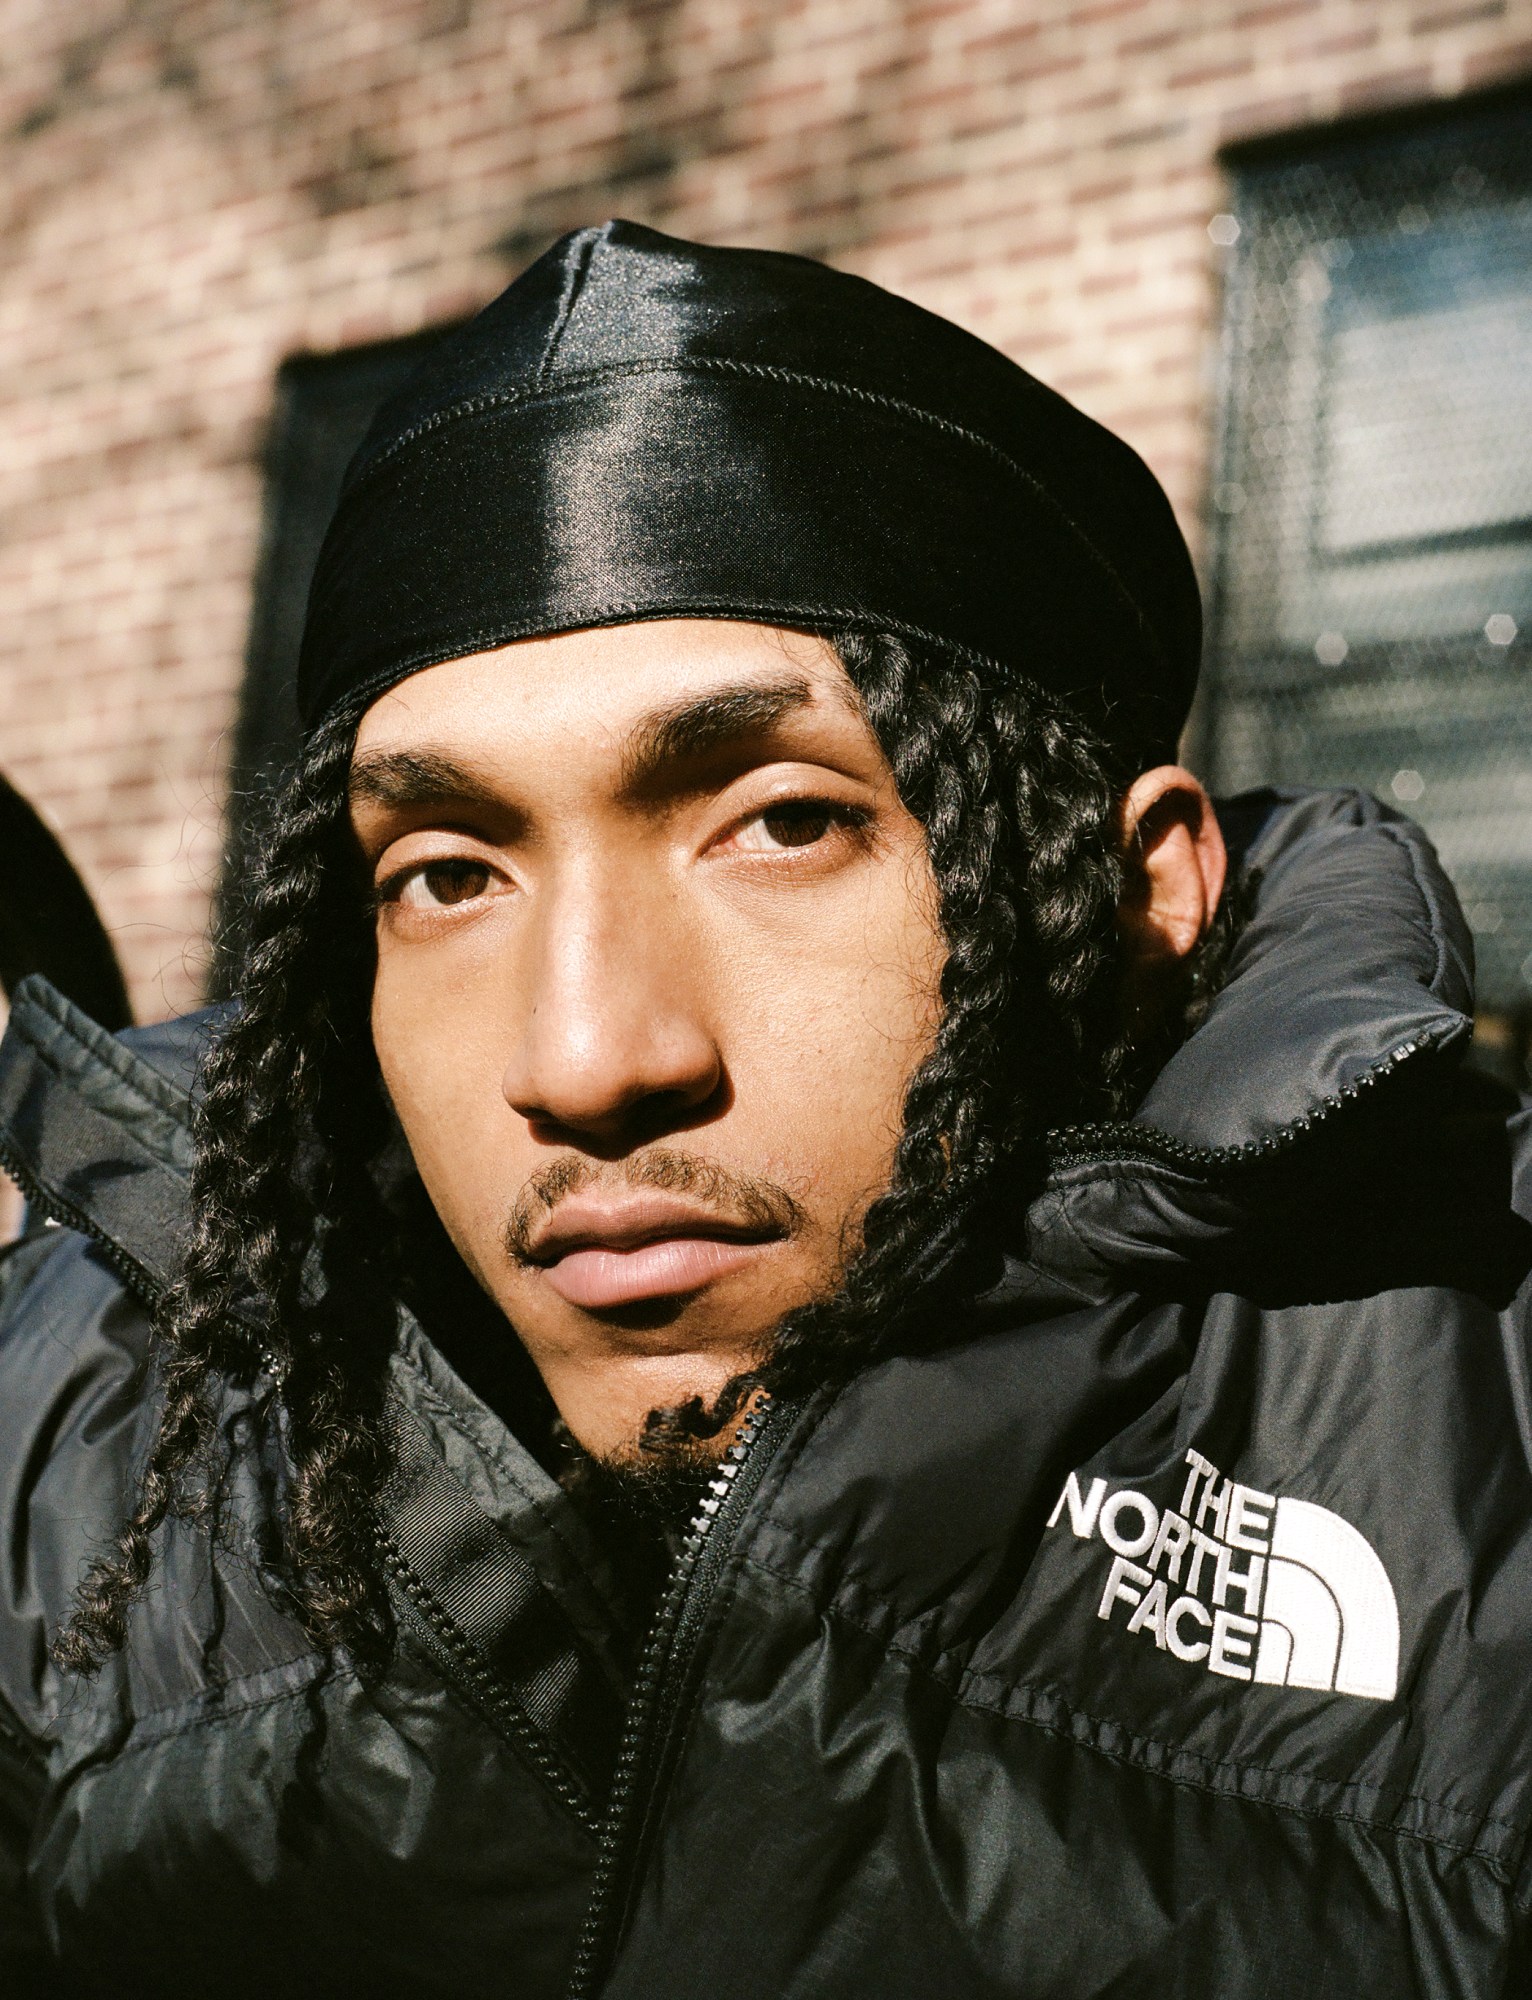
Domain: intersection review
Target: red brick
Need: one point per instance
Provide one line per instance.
(1042, 246)
(1498, 66)
(1096, 100)
(1329, 46)
(1398, 87)
(1146, 135)
(1150, 45)
(1274, 10)
(1124, 329)
(1033, 71)
(1272, 114)
(1015, 34)
(1457, 17)
(1164, 224)
(1079, 382)
(1099, 191)
(1224, 72)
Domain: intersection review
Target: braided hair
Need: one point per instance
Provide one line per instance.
(1020, 809)
(288, 1283)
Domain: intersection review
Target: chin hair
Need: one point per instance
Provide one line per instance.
(658, 1486)
(659, 1476)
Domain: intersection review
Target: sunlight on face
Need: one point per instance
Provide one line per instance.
(658, 953)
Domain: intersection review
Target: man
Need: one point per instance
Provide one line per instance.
(656, 1429)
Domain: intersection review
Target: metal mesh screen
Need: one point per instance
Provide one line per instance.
(1372, 609)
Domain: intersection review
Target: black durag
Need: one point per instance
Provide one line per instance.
(641, 427)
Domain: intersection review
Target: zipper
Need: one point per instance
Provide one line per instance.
(503, 1715)
(144, 1286)
(664, 1681)
(140, 1281)
(1082, 1145)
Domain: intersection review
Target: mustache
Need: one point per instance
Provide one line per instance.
(744, 1201)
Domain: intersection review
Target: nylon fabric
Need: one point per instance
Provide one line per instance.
(503, 1632)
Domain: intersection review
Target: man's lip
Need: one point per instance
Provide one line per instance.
(598, 1278)
(629, 1221)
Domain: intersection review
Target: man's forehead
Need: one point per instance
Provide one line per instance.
(640, 697)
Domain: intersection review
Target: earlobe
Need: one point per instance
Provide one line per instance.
(1176, 867)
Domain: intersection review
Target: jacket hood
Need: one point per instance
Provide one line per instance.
(1338, 1030)
(1318, 1110)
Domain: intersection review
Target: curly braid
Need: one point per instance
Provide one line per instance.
(288, 1120)
(283, 1279)
(1020, 810)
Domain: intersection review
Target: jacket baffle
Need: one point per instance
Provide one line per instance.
(1162, 1628)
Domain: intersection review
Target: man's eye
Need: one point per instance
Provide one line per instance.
(441, 882)
(794, 823)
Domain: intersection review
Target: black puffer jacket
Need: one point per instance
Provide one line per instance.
(1166, 1630)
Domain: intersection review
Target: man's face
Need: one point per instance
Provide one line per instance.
(658, 952)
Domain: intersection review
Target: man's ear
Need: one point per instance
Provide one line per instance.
(1176, 863)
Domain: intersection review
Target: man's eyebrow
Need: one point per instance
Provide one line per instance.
(404, 778)
(691, 729)
(685, 730)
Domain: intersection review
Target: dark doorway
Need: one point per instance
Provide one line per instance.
(324, 403)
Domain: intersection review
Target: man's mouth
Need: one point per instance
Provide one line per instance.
(603, 1248)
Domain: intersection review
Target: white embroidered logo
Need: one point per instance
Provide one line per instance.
(1315, 1606)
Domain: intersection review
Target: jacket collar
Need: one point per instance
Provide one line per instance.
(1319, 1093)
(96, 1127)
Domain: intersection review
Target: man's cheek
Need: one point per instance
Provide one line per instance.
(447, 1097)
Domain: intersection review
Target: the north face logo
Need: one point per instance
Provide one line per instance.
(1244, 1583)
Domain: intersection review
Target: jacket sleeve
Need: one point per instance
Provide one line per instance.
(25, 1968)
(72, 1345)
(24, 1964)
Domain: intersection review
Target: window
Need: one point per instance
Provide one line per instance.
(1372, 602)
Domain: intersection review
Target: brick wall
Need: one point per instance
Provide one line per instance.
(195, 189)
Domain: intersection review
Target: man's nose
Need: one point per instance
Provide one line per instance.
(613, 1043)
